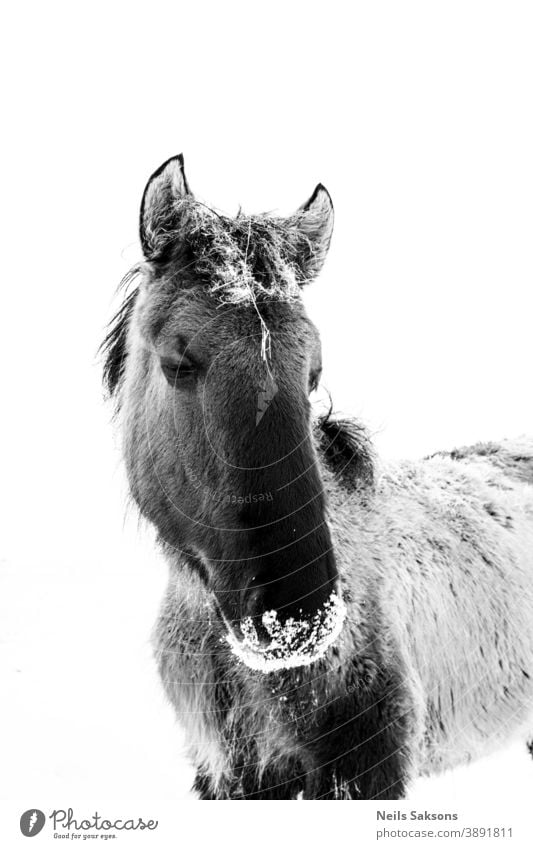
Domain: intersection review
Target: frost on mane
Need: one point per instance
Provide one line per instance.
(294, 643)
(244, 258)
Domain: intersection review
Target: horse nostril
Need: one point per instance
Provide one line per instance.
(252, 613)
(251, 602)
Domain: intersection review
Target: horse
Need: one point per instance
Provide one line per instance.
(334, 626)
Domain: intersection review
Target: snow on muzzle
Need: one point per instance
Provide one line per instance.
(270, 643)
(282, 614)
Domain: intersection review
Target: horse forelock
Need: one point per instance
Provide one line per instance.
(240, 259)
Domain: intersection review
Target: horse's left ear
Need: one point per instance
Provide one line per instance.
(161, 211)
(315, 221)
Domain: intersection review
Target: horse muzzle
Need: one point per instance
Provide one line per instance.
(270, 642)
(289, 620)
(280, 613)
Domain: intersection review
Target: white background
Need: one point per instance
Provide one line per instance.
(418, 119)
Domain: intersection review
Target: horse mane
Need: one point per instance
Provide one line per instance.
(347, 451)
(113, 347)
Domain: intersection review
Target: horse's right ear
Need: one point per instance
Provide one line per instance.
(161, 210)
(315, 221)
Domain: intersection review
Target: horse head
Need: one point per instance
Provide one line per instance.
(221, 360)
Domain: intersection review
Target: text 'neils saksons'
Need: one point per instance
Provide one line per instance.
(413, 815)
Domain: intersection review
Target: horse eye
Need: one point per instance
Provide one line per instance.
(178, 373)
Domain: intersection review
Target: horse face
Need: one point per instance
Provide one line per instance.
(220, 448)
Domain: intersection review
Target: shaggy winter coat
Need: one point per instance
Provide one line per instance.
(434, 666)
(211, 360)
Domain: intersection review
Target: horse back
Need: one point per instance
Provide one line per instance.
(513, 457)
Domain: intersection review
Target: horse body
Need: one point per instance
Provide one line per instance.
(332, 628)
(449, 544)
(434, 667)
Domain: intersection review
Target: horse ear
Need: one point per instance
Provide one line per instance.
(160, 206)
(315, 221)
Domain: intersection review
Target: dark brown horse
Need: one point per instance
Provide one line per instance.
(327, 630)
